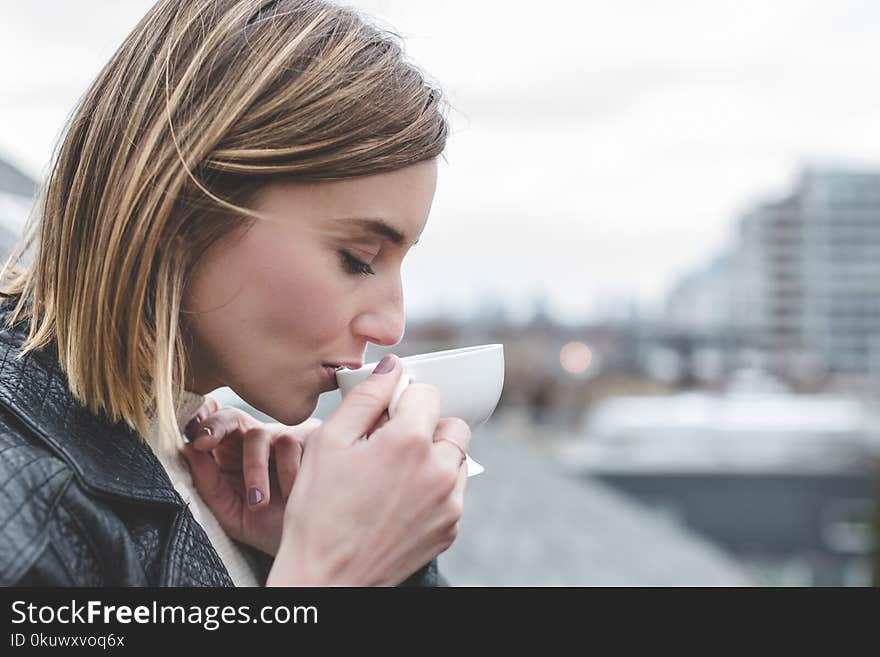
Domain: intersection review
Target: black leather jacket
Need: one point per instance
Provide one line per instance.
(85, 502)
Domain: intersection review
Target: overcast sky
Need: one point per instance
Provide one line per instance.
(599, 149)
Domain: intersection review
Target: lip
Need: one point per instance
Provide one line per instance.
(328, 374)
(351, 365)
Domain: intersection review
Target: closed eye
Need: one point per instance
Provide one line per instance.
(354, 266)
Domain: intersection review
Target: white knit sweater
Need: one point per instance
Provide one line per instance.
(241, 570)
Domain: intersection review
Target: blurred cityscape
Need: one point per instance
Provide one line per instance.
(732, 439)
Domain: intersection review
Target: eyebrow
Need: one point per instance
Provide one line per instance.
(378, 227)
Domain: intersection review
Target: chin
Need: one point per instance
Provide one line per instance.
(292, 419)
(295, 414)
(288, 413)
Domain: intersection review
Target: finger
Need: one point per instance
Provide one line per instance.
(288, 446)
(256, 445)
(209, 406)
(210, 483)
(418, 411)
(287, 450)
(229, 454)
(362, 406)
(458, 490)
(219, 425)
(456, 430)
(378, 424)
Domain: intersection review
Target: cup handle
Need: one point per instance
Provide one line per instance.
(473, 468)
(405, 380)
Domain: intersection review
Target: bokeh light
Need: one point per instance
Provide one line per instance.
(575, 357)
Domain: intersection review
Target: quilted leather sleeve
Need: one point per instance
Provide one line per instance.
(33, 482)
(54, 534)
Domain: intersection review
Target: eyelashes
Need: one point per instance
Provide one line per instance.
(354, 266)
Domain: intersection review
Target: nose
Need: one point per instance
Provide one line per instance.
(382, 323)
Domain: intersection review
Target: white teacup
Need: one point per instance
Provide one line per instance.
(468, 379)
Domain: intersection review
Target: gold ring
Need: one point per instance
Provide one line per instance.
(457, 446)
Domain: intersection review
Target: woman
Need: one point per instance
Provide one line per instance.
(230, 206)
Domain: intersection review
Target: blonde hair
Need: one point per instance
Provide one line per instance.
(204, 102)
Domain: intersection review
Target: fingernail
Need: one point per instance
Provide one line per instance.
(192, 425)
(255, 496)
(204, 431)
(385, 365)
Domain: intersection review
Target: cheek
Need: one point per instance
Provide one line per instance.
(298, 293)
(269, 293)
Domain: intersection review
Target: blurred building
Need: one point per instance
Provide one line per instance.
(800, 292)
(701, 301)
(840, 267)
(698, 338)
(768, 291)
(808, 272)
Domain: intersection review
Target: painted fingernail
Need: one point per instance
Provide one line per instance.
(255, 496)
(385, 365)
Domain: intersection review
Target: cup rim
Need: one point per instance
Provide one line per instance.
(436, 355)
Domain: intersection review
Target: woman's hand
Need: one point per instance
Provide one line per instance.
(244, 470)
(373, 512)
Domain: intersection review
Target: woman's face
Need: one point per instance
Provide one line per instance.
(269, 306)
